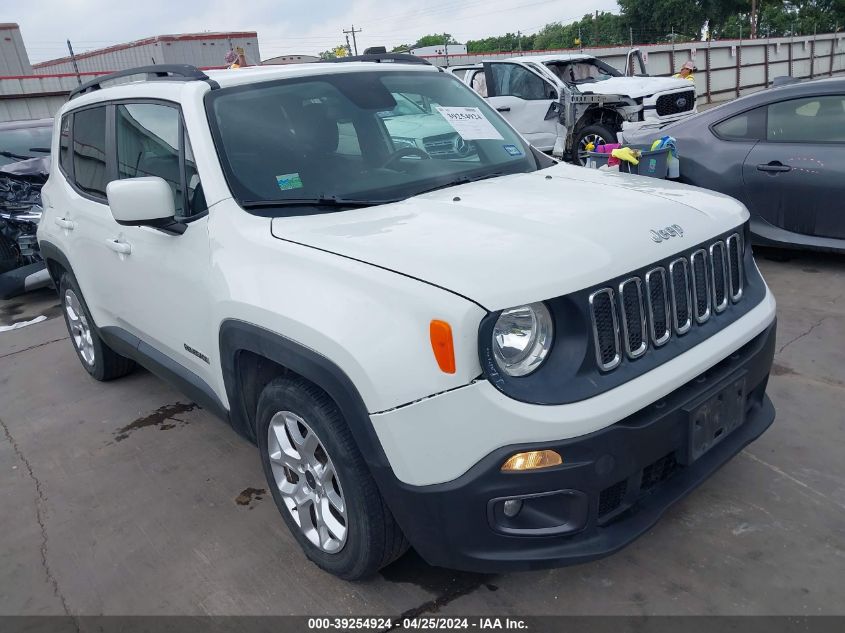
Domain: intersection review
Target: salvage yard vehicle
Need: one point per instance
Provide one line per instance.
(415, 123)
(562, 103)
(24, 166)
(780, 151)
(505, 362)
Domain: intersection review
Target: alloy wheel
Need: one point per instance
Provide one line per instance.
(307, 481)
(595, 139)
(80, 329)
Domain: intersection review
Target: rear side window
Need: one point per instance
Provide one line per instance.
(89, 151)
(64, 143)
(148, 145)
(747, 126)
(809, 120)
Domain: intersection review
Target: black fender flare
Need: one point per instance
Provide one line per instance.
(237, 336)
(51, 252)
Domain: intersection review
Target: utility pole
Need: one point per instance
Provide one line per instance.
(519, 41)
(596, 33)
(631, 34)
(672, 58)
(446, 47)
(354, 41)
(753, 19)
(73, 60)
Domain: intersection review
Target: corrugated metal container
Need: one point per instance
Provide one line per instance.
(198, 49)
(32, 92)
(33, 97)
(13, 57)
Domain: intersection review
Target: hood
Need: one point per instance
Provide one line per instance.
(525, 237)
(39, 167)
(636, 86)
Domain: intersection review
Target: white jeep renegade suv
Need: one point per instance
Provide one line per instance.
(504, 362)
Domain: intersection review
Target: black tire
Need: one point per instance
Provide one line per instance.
(8, 255)
(601, 132)
(107, 364)
(373, 538)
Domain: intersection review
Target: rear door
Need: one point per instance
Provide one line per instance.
(794, 177)
(86, 223)
(523, 97)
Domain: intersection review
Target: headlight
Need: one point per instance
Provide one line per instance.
(522, 338)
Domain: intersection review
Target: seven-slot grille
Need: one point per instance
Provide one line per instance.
(665, 301)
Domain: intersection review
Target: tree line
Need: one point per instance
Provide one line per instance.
(660, 21)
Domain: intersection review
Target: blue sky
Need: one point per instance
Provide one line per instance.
(284, 26)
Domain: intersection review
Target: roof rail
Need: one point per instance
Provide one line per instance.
(390, 58)
(157, 72)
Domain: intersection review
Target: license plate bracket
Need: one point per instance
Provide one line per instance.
(714, 417)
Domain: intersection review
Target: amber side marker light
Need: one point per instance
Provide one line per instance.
(443, 346)
(532, 460)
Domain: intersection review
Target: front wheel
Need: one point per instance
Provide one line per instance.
(596, 135)
(320, 483)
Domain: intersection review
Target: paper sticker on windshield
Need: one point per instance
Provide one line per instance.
(513, 150)
(470, 123)
(289, 181)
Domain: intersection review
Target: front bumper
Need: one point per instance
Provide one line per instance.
(615, 482)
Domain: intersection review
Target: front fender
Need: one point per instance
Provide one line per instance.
(370, 322)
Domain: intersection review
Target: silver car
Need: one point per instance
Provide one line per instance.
(781, 152)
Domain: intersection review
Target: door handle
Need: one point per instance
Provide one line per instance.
(67, 225)
(123, 248)
(503, 109)
(774, 166)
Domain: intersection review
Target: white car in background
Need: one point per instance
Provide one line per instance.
(415, 123)
(561, 103)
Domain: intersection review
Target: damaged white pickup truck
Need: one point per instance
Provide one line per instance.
(561, 103)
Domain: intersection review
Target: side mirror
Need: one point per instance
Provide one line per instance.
(555, 110)
(141, 201)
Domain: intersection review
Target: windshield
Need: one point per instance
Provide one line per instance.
(362, 138)
(584, 71)
(24, 143)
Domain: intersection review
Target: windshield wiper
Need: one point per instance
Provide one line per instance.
(311, 202)
(15, 156)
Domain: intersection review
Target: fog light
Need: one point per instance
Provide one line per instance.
(512, 507)
(532, 460)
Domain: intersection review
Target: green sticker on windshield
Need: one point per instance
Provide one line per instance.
(289, 181)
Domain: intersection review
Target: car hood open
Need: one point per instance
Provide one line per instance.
(522, 238)
(635, 86)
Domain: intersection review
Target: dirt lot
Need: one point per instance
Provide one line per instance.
(126, 499)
